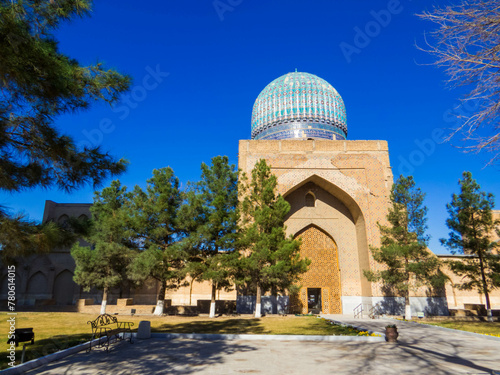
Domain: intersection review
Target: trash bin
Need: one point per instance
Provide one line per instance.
(144, 330)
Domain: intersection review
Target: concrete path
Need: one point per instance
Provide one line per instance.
(449, 350)
(421, 350)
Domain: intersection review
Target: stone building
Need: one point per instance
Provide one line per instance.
(338, 190)
(47, 279)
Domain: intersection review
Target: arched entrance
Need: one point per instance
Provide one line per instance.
(37, 285)
(320, 290)
(64, 287)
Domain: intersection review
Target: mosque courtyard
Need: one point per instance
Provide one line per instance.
(421, 349)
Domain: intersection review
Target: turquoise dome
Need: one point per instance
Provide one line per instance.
(299, 106)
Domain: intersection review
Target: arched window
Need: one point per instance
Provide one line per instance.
(310, 200)
(63, 219)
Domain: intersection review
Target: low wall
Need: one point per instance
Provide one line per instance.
(472, 312)
(396, 305)
(115, 309)
(430, 306)
(269, 304)
(221, 306)
(122, 306)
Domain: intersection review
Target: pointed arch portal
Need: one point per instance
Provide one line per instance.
(321, 283)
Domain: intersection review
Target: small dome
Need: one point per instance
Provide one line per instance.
(299, 105)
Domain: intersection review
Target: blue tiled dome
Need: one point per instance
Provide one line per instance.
(299, 105)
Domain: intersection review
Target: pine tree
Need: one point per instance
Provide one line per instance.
(271, 260)
(102, 264)
(472, 226)
(39, 84)
(407, 263)
(20, 237)
(155, 228)
(213, 236)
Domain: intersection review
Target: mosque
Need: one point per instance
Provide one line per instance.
(338, 190)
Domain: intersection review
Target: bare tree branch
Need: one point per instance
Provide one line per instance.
(467, 44)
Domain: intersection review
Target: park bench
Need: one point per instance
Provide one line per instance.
(105, 327)
(22, 335)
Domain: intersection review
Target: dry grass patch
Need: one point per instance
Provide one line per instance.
(487, 328)
(270, 325)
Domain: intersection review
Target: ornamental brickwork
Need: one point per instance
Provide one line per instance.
(350, 181)
(324, 269)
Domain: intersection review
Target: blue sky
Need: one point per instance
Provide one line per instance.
(198, 67)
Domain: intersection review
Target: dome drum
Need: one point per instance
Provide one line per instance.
(301, 129)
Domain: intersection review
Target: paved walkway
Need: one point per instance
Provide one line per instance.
(421, 350)
(447, 350)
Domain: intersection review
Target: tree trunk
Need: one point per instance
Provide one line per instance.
(212, 300)
(104, 300)
(258, 308)
(274, 300)
(160, 302)
(485, 289)
(190, 290)
(407, 293)
(407, 307)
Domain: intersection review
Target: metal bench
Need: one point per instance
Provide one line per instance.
(22, 335)
(105, 327)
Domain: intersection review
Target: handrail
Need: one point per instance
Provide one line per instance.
(374, 312)
(358, 313)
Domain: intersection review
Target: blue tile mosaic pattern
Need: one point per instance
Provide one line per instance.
(299, 105)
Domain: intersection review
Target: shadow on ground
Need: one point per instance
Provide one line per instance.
(44, 347)
(386, 358)
(432, 347)
(146, 357)
(421, 350)
(424, 349)
(229, 326)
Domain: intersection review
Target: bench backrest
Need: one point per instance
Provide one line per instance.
(103, 320)
(22, 335)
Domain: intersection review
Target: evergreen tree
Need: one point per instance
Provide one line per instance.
(472, 226)
(20, 237)
(154, 217)
(407, 263)
(271, 260)
(212, 209)
(39, 83)
(102, 264)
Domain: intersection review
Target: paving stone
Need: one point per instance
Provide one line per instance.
(421, 349)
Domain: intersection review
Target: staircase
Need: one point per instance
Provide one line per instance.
(373, 312)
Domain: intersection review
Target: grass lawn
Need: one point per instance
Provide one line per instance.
(477, 327)
(56, 331)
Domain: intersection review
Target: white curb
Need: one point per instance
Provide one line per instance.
(22, 368)
(200, 336)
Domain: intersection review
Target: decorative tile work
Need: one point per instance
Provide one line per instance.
(323, 271)
(299, 105)
(357, 173)
(325, 298)
(334, 218)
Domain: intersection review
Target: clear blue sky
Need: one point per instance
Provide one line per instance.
(220, 54)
